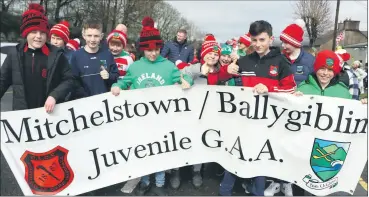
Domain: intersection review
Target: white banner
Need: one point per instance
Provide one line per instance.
(318, 143)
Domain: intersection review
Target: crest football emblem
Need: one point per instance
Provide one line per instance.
(47, 173)
(326, 161)
(329, 62)
(273, 70)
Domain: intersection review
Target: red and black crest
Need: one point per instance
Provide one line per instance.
(47, 173)
(273, 70)
(44, 73)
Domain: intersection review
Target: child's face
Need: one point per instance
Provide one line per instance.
(56, 41)
(288, 48)
(36, 39)
(261, 43)
(324, 76)
(152, 54)
(225, 60)
(241, 46)
(92, 37)
(211, 58)
(115, 48)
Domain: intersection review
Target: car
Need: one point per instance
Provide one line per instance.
(5, 48)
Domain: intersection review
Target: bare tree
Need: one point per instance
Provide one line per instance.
(317, 17)
(115, 10)
(59, 5)
(5, 4)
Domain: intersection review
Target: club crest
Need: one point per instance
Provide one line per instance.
(326, 161)
(47, 173)
(273, 70)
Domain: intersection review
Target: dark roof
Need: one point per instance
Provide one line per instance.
(329, 35)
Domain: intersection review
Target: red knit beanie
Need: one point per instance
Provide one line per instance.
(149, 36)
(293, 34)
(118, 35)
(74, 44)
(209, 45)
(327, 59)
(246, 39)
(34, 19)
(62, 30)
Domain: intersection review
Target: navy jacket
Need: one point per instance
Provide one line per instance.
(302, 66)
(86, 68)
(68, 54)
(175, 51)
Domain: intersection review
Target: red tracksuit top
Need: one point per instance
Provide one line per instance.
(272, 70)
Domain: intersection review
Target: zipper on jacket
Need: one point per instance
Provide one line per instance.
(33, 61)
(257, 63)
(322, 92)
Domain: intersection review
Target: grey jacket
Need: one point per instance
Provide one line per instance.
(194, 71)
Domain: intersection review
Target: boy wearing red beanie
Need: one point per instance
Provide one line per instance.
(324, 81)
(59, 37)
(152, 70)
(39, 73)
(301, 61)
(117, 42)
(244, 43)
(59, 34)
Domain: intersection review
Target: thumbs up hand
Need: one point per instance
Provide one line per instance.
(184, 83)
(233, 68)
(103, 73)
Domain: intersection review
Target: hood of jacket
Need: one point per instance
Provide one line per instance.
(159, 59)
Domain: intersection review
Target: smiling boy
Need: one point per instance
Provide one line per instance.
(38, 72)
(94, 67)
(265, 70)
(152, 70)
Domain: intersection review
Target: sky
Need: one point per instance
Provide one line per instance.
(227, 19)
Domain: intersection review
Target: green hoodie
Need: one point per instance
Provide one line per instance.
(144, 74)
(334, 89)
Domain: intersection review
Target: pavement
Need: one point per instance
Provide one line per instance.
(10, 187)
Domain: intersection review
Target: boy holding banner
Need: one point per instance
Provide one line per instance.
(93, 66)
(152, 64)
(265, 70)
(38, 72)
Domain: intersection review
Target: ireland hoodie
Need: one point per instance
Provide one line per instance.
(145, 74)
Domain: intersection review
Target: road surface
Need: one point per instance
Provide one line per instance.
(9, 186)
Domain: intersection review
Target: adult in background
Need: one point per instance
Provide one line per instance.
(300, 60)
(178, 48)
(39, 72)
(360, 73)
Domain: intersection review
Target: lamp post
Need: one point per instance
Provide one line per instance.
(335, 26)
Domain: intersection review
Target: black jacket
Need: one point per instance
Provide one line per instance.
(59, 81)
